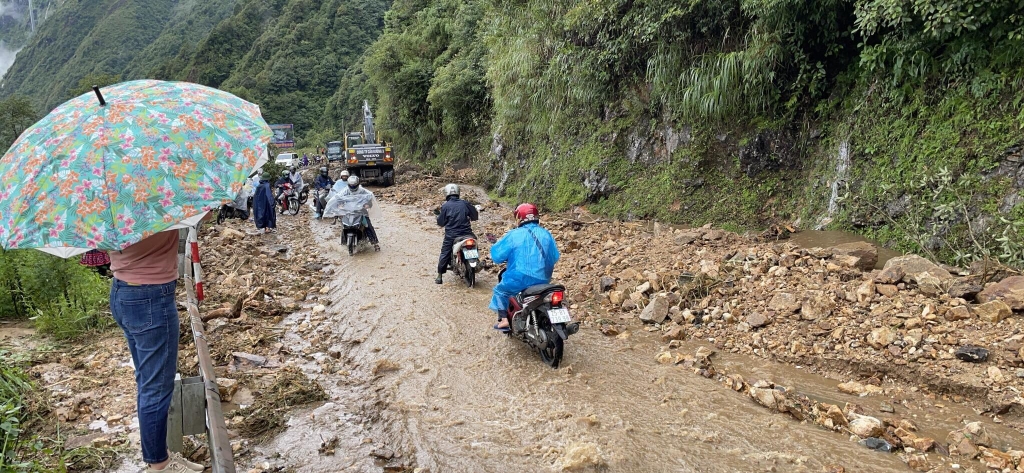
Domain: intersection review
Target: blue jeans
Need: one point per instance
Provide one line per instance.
(148, 316)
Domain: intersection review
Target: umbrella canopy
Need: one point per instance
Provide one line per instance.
(154, 156)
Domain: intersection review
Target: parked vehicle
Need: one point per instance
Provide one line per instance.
(465, 259)
(537, 317)
(239, 208)
(288, 201)
(287, 159)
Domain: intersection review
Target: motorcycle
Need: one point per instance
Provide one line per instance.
(465, 259)
(538, 317)
(319, 202)
(303, 194)
(288, 201)
(239, 208)
(354, 211)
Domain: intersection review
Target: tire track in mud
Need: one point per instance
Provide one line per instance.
(425, 383)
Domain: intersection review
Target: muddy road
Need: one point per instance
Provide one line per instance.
(421, 381)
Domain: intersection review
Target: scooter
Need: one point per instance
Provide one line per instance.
(538, 317)
(465, 259)
(288, 202)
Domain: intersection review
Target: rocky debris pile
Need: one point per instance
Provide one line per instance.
(889, 434)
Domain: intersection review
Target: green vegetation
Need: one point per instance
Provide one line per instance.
(693, 111)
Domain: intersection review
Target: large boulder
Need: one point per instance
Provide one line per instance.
(865, 426)
(913, 265)
(966, 287)
(656, 311)
(864, 251)
(1009, 290)
(818, 304)
(993, 311)
(784, 302)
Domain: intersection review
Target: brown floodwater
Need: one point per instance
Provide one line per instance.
(426, 382)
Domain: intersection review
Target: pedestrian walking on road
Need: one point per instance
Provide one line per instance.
(263, 206)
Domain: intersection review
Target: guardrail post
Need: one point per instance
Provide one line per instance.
(175, 442)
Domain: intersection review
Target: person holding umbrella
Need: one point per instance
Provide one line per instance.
(122, 177)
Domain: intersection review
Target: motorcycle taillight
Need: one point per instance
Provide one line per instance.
(471, 243)
(556, 298)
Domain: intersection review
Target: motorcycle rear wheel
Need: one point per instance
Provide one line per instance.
(468, 274)
(552, 354)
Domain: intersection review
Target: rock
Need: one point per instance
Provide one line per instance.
(227, 388)
(858, 389)
(1010, 291)
(605, 284)
(609, 330)
(876, 443)
(996, 459)
(919, 463)
(971, 354)
(768, 397)
(847, 261)
(866, 292)
(817, 305)
(929, 284)
(961, 444)
(977, 433)
(665, 357)
(864, 251)
(923, 444)
(82, 440)
(890, 275)
(644, 288)
(914, 265)
(881, 337)
(245, 361)
(319, 308)
(656, 311)
(757, 320)
(714, 235)
(628, 305)
(965, 288)
(992, 311)
(676, 333)
(230, 233)
(995, 374)
(581, 456)
(784, 302)
(958, 313)
(887, 290)
(865, 426)
(835, 416)
(616, 298)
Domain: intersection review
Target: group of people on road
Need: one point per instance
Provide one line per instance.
(529, 251)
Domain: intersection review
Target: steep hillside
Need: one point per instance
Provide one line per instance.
(124, 38)
(900, 120)
(286, 55)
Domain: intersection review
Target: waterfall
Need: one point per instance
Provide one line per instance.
(842, 171)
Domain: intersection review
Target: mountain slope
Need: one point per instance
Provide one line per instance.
(125, 38)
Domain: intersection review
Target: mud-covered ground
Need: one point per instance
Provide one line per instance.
(701, 350)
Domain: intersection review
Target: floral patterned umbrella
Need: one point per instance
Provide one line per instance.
(104, 174)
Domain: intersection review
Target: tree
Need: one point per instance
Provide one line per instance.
(16, 114)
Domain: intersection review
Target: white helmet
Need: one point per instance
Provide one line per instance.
(344, 174)
(353, 182)
(451, 189)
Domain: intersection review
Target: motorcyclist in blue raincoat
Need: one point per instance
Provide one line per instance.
(531, 254)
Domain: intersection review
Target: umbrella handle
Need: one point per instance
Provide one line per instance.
(96, 89)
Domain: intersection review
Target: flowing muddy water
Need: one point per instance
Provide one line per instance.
(827, 238)
(427, 383)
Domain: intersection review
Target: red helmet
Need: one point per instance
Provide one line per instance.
(527, 213)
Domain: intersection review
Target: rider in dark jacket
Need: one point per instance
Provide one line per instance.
(279, 185)
(323, 180)
(455, 216)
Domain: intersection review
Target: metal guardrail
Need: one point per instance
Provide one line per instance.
(195, 404)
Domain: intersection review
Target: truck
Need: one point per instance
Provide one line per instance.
(365, 157)
(335, 151)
